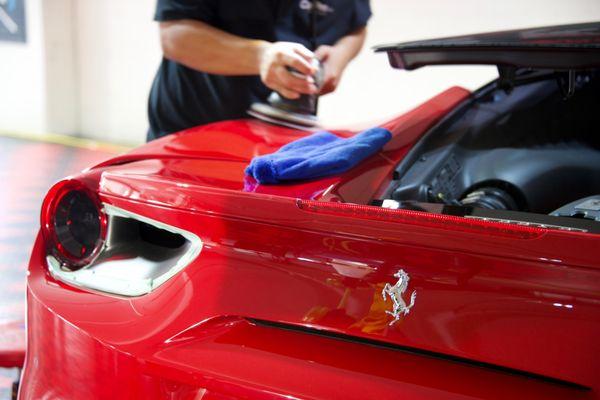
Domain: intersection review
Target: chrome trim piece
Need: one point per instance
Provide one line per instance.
(97, 276)
(526, 223)
(391, 204)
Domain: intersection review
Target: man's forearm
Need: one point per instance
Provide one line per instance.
(200, 46)
(349, 46)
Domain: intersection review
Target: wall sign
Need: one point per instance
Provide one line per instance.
(12, 20)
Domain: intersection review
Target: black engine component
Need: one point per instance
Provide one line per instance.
(530, 150)
(490, 197)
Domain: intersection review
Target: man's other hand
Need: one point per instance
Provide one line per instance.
(333, 64)
(335, 58)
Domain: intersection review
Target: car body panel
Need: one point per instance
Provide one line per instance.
(233, 358)
(326, 272)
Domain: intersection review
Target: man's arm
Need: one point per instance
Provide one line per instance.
(203, 47)
(335, 58)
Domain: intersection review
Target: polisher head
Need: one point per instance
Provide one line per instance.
(297, 113)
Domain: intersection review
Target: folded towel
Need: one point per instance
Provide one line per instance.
(317, 155)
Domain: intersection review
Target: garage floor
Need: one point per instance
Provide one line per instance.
(27, 170)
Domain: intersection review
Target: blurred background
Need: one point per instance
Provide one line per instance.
(86, 66)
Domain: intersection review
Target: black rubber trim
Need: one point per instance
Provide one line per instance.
(419, 352)
(560, 47)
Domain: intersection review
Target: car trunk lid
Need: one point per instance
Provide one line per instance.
(564, 47)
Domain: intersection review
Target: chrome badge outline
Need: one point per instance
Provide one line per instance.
(395, 292)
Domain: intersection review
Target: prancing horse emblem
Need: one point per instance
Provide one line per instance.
(395, 292)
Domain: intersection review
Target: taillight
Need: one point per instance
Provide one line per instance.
(73, 224)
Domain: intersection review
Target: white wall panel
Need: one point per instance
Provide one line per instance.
(22, 77)
(61, 75)
(118, 54)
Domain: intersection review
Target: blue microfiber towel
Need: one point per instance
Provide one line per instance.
(317, 155)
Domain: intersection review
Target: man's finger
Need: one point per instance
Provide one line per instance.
(295, 83)
(322, 52)
(289, 94)
(304, 52)
(299, 64)
(327, 88)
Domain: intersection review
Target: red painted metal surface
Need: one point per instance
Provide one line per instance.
(216, 155)
(507, 312)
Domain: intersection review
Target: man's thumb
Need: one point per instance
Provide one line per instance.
(322, 52)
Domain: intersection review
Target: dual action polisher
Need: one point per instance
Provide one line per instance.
(296, 113)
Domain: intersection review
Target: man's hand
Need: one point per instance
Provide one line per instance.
(335, 58)
(333, 64)
(275, 59)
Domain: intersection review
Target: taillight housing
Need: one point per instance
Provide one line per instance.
(74, 224)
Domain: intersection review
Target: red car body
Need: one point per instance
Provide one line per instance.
(284, 300)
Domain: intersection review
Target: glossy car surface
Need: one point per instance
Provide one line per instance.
(283, 298)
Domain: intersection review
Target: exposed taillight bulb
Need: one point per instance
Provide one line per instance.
(73, 224)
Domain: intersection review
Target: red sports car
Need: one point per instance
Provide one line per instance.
(461, 261)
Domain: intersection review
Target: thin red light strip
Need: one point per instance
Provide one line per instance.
(420, 218)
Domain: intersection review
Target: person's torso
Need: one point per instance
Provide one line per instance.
(182, 97)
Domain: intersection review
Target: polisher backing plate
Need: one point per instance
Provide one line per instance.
(286, 118)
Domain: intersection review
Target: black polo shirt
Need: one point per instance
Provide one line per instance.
(181, 97)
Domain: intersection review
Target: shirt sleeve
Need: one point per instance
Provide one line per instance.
(362, 13)
(202, 10)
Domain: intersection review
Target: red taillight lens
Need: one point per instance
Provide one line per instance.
(73, 224)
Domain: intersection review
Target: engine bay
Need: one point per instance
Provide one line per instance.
(532, 147)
